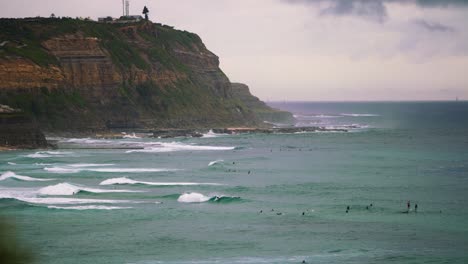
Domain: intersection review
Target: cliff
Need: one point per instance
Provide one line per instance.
(261, 110)
(18, 131)
(74, 75)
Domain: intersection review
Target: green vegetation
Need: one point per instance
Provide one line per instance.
(160, 87)
(56, 105)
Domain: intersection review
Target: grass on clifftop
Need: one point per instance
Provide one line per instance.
(24, 37)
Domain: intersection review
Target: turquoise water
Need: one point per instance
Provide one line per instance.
(394, 152)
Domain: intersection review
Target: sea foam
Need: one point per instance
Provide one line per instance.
(115, 170)
(176, 146)
(12, 175)
(212, 134)
(124, 180)
(30, 195)
(48, 154)
(193, 197)
(88, 207)
(359, 115)
(70, 189)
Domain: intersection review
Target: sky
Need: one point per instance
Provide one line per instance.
(312, 50)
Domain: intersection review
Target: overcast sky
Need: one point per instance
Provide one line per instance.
(313, 49)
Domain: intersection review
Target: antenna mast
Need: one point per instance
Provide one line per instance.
(127, 7)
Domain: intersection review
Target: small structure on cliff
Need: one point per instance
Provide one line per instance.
(126, 17)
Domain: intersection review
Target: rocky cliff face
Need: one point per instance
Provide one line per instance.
(261, 110)
(18, 131)
(82, 75)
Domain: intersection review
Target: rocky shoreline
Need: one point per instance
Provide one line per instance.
(171, 133)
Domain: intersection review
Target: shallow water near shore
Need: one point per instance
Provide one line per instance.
(257, 198)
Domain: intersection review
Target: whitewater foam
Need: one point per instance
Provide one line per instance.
(115, 170)
(176, 146)
(193, 198)
(88, 207)
(48, 154)
(30, 195)
(212, 134)
(133, 135)
(70, 189)
(87, 141)
(11, 163)
(212, 163)
(315, 116)
(12, 175)
(84, 165)
(124, 180)
(359, 115)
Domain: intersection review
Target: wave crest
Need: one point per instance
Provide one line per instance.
(70, 189)
(193, 197)
(125, 180)
(12, 175)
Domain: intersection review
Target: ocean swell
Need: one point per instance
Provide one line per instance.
(124, 180)
(12, 175)
(70, 189)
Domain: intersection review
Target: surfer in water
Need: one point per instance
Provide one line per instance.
(415, 208)
(408, 204)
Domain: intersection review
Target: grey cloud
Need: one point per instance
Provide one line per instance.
(433, 26)
(436, 3)
(371, 9)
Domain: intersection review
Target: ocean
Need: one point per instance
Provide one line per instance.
(254, 198)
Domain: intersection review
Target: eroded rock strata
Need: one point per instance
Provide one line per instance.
(74, 75)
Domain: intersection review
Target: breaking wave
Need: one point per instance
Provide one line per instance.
(305, 117)
(84, 165)
(212, 163)
(132, 136)
(200, 198)
(88, 207)
(12, 175)
(176, 146)
(212, 134)
(359, 115)
(124, 180)
(48, 154)
(30, 195)
(115, 170)
(70, 189)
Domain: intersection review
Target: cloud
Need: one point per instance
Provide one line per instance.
(368, 9)
(374, 10)
(433, 26)
(437, 3)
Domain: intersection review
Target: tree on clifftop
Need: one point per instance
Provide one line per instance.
(145, 11)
